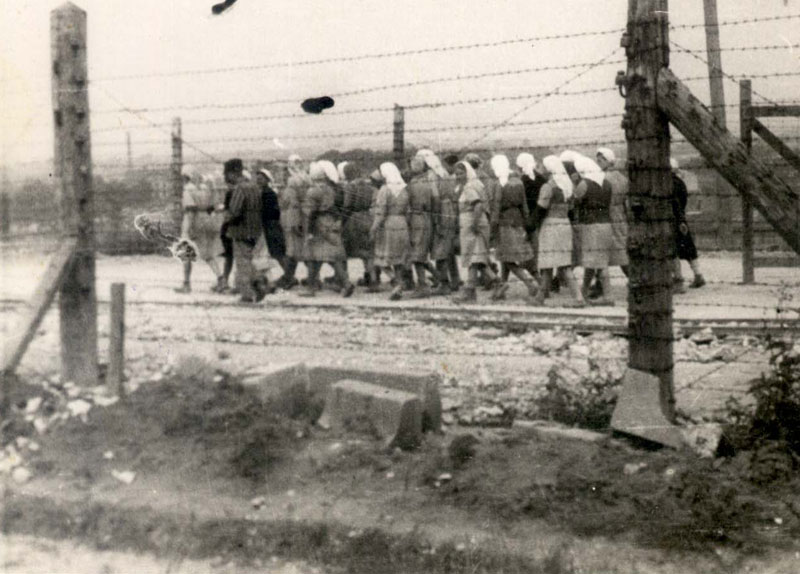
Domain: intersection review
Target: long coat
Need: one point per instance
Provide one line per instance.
(323, 224)
(509, 214)
(291, 205)
(392, 243)
(357, 218)
(445, 220)
(474, 246)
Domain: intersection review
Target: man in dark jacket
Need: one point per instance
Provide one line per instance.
(684, 241)
(243, 219)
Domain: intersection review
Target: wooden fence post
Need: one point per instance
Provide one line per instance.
(746, 129)
(5, 215)
(176, 170)
(116, 341)
(398, 146)
(651, 237)
(73, 171)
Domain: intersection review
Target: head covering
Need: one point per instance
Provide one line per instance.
(294, 158)
(436, 166)
(234, 165)
(324, 169)
(588, 169)
(451, 159)
(351, 171)
(569, 156)
(418, 164)
(607, 154)
(673, 163)
(392, 178)
(267, 174)
(556, 168)
(501, 168)
(424, 153)
(527, 163)
(340, 170)
(246, 175)
(473, 159)
(470, 170)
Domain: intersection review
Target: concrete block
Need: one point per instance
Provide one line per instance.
(638, 411)
(423, 385)
(276, 380)
(395, 416)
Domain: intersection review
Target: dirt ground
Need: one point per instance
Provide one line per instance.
(201, 451)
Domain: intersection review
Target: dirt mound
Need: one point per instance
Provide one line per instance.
(186, 423)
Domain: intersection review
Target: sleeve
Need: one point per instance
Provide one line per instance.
(471, 195)
(380, 207)
(580, 191)
(545, 196)
(236, 207)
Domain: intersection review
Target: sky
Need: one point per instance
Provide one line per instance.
(139, 50)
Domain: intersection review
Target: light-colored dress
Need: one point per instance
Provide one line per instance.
(421, 191)
(205, 226)
(290, 201)
(392, 244)
(592, 202)
(555, 232)
(474, 246)
(323, 224)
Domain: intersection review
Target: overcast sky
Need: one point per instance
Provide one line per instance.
(148, 37)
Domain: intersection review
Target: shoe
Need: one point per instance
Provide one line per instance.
(396, 294)
(374, 289)
(601, 302)
(574, 304)
(348, 291)
(185, 288)
(678, 288)
(466, 295)
(698, 282)
(308, 293)
(363, 282)
(442, 290)
(248, 300)
(221, 285)
(500, 291)
(535, 301)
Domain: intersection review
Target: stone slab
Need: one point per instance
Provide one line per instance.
(394, 415)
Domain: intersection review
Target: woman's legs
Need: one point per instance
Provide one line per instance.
(572, 284)
(187, 276)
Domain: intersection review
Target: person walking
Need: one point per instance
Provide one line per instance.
(509, 212)
(684, 240)
(323, 229)
(390, 227)
(244, 228)
(200, 226)
(592, 213)
(532, 181)
(357, 217)
(290, 202)
(445, 227)
(473, 231)
(421, 194)
(271, 223)
(555, 230)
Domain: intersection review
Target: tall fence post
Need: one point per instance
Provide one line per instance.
(724, 212)
(5, 215)
(130, 150)
(73, 171)
(398, 146)
(746, 130)
(651, 237)
(175, 172)
(116, 341)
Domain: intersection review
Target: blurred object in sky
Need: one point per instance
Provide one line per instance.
(317, 105)
(218, 9)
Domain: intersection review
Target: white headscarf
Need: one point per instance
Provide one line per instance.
(246, 175)
(340, 170)
(324, 169)
(556, 168)
(392, 178)
(608, 154)
(267, 174)
(527, 163)
(588, 169)
(433, 163)
(569, 156)
(501, 168)
(470, 170)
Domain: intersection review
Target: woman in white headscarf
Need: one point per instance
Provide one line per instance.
(390, 229)
(555, 231)
(323, 227)
(422, 192)
(445, 226)
(290, 201)
(532, 181)
(509, 212)
(618, 210)
(358, 195)
(473, 223)
(592, 213)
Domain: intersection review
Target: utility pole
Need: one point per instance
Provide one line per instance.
(176, 169)
(5, 204)
(398, 147)
(746, 135)
(651, 235)
(73, 171)
(717, 89)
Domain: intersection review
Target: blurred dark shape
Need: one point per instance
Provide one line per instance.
(218, 9)
(317, 105)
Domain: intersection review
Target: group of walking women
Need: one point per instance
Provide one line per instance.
(536, 222)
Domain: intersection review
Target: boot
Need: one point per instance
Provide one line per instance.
(442, 290)
(348, 290)
(500, 291)
(678, 287)
(698, 282)
(466, 295)
(221, 285)
(396, 294)
(185, 288)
